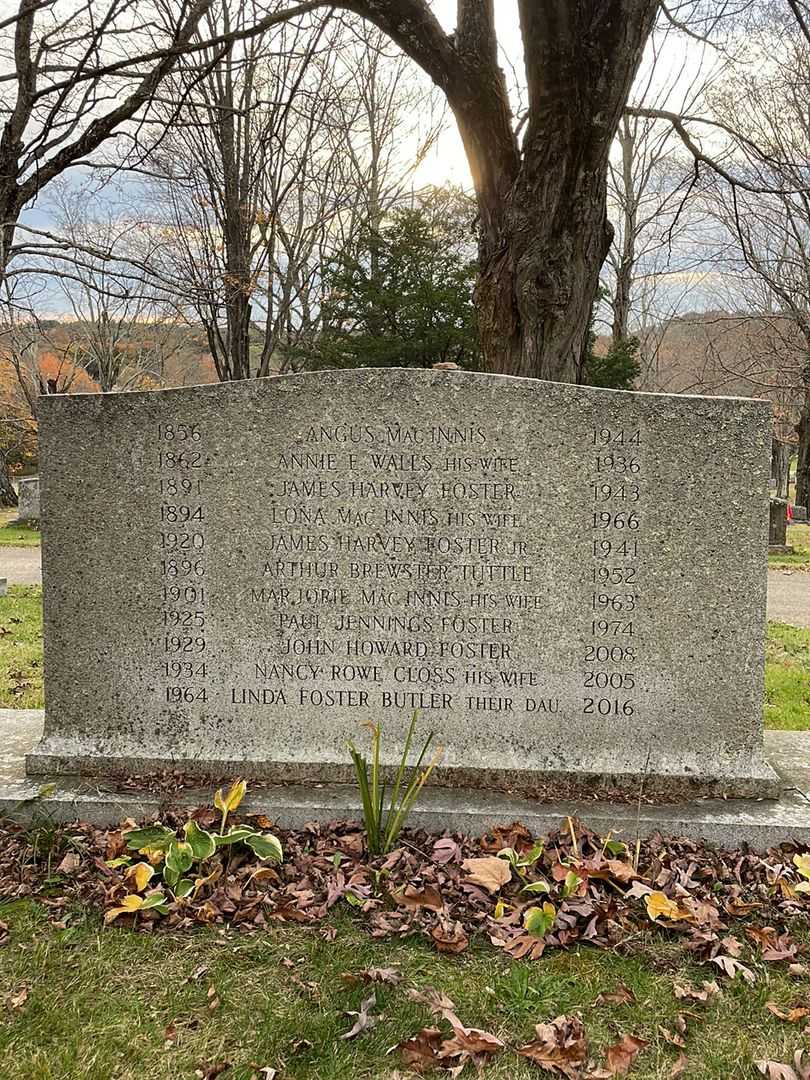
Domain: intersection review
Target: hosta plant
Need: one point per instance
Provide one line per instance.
(166, 855)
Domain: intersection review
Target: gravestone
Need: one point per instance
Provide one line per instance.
(536, 567)
(28, 496)
(800, 514)
(777, 526)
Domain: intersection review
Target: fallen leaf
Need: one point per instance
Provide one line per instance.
(793, 1016)
(732, 967)
(372, 975)
(490, 873)
(449, 937)
(775, 1070)
(18, 998)
(659, 906)
(211, 1072)
(678, 1066)
(446, 851)
(69, 864)
(621, 1056)
(622, 995)
(560, 1046)
(413, 898)
(682, 991)
(421, 1051)
(365, 1018)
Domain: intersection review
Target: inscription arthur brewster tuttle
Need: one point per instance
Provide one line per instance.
(536, 567)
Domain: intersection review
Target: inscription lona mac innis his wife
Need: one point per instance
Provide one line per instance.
(566, 582)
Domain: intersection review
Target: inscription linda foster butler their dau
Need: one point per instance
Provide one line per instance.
(564, 581)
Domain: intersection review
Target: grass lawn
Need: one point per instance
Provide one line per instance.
(111, 1003)
(798, 536)
(21, 648)
(16, 535)
(787, 672)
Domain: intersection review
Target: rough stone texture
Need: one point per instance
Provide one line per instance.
(777, 528)
(490, 550)
(761, 824)
(28, 495)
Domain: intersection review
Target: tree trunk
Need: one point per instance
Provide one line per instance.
(780, 467)
(8, 496)
(539, 273)
(544, 232)
(803, 463)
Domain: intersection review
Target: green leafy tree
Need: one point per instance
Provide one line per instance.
(402, 297)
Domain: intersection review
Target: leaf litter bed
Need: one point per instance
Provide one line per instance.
(731, 911)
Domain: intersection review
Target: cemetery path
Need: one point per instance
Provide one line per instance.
(21, 565)
(789, 597)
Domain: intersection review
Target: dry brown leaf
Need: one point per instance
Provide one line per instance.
(421, 1051)
(559, 1047)
(731, 967)
(683, 991)
(414, 898)
(372, 975)
(18, 998)
(621, 1056)
(793, 1016)
(365, 1019)
(450, 937)
(622, 995)
(490, 872)
(678, 1066)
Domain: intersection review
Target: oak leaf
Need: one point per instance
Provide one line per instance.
(560, 1046)
(490, 872)
(621, 1056)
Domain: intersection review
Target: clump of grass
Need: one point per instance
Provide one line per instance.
(787, 678)
(21, 648)
(16, 534)
(384, 821)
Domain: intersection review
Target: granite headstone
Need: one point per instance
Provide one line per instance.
(568, 583)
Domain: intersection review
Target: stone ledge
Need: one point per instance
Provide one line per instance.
(725, 823)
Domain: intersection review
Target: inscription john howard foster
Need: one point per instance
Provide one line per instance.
(531, 565)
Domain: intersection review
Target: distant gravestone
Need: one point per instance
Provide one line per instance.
(536, 567)
(28, 496)
(777, 526)
(800, 514)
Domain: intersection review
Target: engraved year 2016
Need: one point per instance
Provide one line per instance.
(608, 707)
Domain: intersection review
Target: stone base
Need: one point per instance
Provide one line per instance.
(781, 549)
(722, 823)
(749, 778)
(729, 822)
